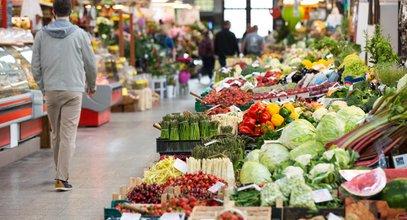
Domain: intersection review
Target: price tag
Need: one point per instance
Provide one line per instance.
(130, 216)
(181, 166)
(321, 195)
(172, 216)
(252, 186)
(216, 187)
(332, 216)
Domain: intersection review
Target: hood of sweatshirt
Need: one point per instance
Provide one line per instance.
(60, 28)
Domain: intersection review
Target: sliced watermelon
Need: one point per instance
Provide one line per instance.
(367, 184)
(395, 173)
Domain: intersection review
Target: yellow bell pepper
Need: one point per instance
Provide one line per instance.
(277, 120)
(273, 108)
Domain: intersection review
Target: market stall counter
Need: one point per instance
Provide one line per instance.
(96, 109)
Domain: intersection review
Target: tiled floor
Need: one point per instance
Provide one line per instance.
(104, 160)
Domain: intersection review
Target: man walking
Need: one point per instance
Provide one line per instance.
(225, 44)
(64, 66)
(253, 43)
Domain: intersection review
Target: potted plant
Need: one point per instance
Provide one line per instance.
(171, 83)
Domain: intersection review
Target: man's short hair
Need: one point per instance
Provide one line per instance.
(62, 8)
(226, 24)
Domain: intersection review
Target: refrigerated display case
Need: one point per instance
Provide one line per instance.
(21, 103)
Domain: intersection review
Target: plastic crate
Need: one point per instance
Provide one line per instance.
(112, 212)
(165, 146)
(116, 214)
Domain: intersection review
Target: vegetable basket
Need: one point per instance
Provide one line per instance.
(200, 107)
(112, 213)
(252, 213)
(165, 146)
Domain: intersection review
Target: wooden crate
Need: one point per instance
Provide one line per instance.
(252, 213)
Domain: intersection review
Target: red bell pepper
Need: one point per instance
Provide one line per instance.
(243, 129)
(265, 117)
(256, 109)
(249, 122)
(257, 130)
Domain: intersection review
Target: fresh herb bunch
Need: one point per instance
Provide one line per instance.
(379, 48)
(389, 73)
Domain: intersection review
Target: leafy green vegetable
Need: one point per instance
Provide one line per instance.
(269, 135)
(312, 148)
(362, 96)
(351, 116)
(272, 155)
(296, 133)
(291, 171)
(330, 128)
(253, 155)
(323, 172)
(354, 67)
(246, 198)
(317, 115)
(337, 105)
(253, 172)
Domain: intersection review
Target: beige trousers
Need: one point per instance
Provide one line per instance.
(64, 110)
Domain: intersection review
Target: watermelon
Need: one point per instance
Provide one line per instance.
(395, 193)
(367, 184)
(395, 173)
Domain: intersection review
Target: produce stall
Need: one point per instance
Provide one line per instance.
(314, 134)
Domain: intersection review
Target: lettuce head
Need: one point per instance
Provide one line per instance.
(296, 133)
(310, 147)
(273, 155)
(351, 115)
(253, 172)
(330, 128)
(253, 155)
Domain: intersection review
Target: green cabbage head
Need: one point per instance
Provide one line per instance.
(273, 155)
(330, 128)
(253, 172)
(351, 115)
(296, 133)
(253, 155)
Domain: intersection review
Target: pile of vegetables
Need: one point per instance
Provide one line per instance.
(228, 97)
(219, 167)
(195, 185)
(161, 172)
(184, 205)
(187, 126)
(379, 48)
(231, 147)
(262, 117)
(353, 66)
(384, 129)
(145, 194)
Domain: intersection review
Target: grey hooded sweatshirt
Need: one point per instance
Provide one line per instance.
(63, 59)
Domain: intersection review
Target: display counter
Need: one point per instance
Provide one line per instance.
(96, 109)
(21, 104)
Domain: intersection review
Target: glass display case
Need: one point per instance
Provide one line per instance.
(13, 76)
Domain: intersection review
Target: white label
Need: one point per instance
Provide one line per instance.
(181, 166)
(216, 187)
(321, 195)
(332, 216)
(172, 216)
(252, 186)
(130, 216)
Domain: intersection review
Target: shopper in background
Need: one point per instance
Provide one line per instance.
(64, 66)
(253, 43)
(206, 53)
(225, 44)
